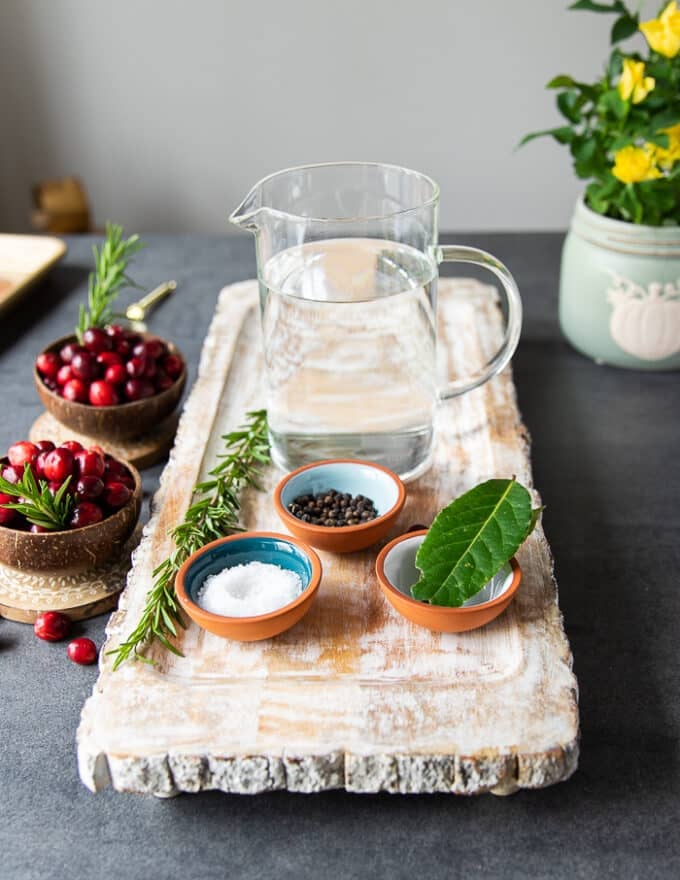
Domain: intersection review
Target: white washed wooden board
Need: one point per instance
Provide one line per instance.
(354, 696)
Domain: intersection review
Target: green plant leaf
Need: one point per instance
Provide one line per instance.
(624, 27)
(611, 103)
(589, 6)
(471, 540)
(562, 135)
(569, 104)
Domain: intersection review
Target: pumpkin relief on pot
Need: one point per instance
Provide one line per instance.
(645, 322)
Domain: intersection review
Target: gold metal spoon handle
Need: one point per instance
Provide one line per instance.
(136, 311)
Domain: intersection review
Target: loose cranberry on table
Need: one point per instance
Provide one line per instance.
(51, 626)
(82, 651)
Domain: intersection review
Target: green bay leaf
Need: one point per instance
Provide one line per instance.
(471, 540)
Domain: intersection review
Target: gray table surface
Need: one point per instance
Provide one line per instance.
(605, 454)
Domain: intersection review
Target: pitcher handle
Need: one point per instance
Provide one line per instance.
(461, 254)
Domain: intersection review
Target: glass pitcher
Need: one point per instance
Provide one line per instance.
(347, 258)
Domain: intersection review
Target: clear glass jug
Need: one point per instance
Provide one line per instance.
(347, 258)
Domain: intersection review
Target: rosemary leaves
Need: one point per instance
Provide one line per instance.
(214, 512)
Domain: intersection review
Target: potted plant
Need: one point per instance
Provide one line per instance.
(620, 276)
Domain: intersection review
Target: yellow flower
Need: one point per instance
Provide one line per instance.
(635, 164)
(667, 156)
(663, 33)
(633, 83)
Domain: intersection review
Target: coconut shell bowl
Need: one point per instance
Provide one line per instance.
(266, 547)
(373, 481)
(140, 431)
(76, 550)
(397, 573)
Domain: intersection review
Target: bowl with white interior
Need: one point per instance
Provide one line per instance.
(397, 573)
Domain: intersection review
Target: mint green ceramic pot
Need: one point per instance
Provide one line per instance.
(620, 291)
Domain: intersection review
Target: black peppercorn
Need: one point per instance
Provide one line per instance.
(333, 509)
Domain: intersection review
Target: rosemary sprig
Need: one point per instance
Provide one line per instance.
(213, 513)
(38, 504)
(108, 279)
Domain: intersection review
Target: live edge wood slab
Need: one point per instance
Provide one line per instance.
(354, 696)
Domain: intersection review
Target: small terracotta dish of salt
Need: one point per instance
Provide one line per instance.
(250, 586)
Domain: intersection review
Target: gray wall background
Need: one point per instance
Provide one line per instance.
(170, 110)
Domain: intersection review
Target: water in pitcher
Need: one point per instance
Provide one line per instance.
(349, 340)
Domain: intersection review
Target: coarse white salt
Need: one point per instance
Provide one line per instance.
(248, 590)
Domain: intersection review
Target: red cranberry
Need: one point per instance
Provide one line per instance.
(114, 468)
(150, 369)
(137, 389)
(7, 515)
(82, 651)
(86, 513)
(84, 365)
(139, 350)
(123, 347)
(155, 348)
(58, 464)
(135, 367)
(75, 390)
(11, 474)
(90, 463)
(48, 364)
(173, 365)
(96, 340)
(115, 331)
(67, 351)
(38, 530)
(88, 488)
(44, 445)
(52, 626)
(162, 381)
(64, 375)
(115, 374)
(98, 449)
(103, 394)
(73, 445)
(106, 358)
(116, 494)
(39, 464)
(21, 453)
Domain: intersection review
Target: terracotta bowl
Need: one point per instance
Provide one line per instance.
(397, 572)
(112, 423)
(374, 481)
(74, 550)
(267, 547)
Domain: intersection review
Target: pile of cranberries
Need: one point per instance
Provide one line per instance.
(112, 366)
(100, 483)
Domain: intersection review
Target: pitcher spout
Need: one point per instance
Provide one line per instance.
(248, 213)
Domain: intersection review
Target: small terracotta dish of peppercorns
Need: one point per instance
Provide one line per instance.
(65, 509)
(340, 505)
(112, 385)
